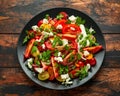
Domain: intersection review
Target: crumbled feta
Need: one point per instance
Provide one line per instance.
(45, 21)
(66, 79)
(47, 33)
(59, 26)
(65, 76)
(29, 61)
(88, 67)
(91, 29)
(59, 53)
(39, 70)
(86, 53)
(35, 28)
(59, 59)
(72, 18)
(43, 46)
(38, 40)
(65, 42)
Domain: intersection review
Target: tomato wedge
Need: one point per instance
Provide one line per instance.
(40, 22)
(51, 73)
(55, 69)
(48, 44)
(28, 48)
(94, 49)
(71, 29)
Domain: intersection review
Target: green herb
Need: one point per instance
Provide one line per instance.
(88, 31)
(71, 58)
(34, 49)
(37, 62)
(57, 41)
(56, 53)
(63, 69)
(79, 21)
(46, 55)
(82, 73)
(26, 39)
(35, 43)
(63, 56)
(47, 16)
(43, 39)
(68, 21)
(59, 16)
(78, 56)
(67, 47)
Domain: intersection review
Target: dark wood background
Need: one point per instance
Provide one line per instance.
(14, 14)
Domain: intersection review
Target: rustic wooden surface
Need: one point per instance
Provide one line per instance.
(14, 14)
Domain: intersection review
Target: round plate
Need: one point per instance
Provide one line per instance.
(53, 12)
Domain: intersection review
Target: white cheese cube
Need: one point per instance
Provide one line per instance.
(39, 70)
(59, 26)
(72, 18)
(65, 76)
(65, 42)
(59, 59)
(35, 28)
(91, 29)
(86, 53)
(45, 21)
(43, 46)
(59, 53)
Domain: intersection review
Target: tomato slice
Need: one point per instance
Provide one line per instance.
(73, 72)
(71, 29)
(74, 45)
(51, 73)
(94, 49)
(92, 62)
(48, 44)
(80, 64)
(60, 22)
(28, 48)
(69, 36)
(65, 15)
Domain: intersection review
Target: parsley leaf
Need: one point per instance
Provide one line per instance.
(59, 16)
(79, 21)
(63, 69)
(45, 56)
(57, 41)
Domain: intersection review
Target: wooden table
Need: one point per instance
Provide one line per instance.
(14, 14)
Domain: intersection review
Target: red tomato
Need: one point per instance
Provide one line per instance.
(40, 22)
(69, 36)
(49, 45)
(92, 62)
(28, 48)
(94, 49)
(73, 45)
(80, 64)
(65, 15)
(51, 73)
(61, 22)
(71, 29)
(55, 69)
(73, 73)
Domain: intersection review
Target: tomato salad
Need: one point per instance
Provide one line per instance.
(61, 48)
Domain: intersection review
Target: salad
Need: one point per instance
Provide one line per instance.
(61, 48)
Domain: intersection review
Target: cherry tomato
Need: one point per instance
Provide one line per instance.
(65, 15)
(71, 29)
(79, 64)
(60, 22)
(40, 22)
(92, 62)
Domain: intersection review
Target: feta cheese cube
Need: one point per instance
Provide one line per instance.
(59, 59)
(35, 28)
(91, 29)
(65, 76)
(65, 42)
(59, 26)
(39, 70)
(29, 61)
(86, 53)
(45, 21)
(43, 46)
(88, 67)
(72, 18)
(59, 53)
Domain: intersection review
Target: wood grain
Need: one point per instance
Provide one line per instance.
(14, 14)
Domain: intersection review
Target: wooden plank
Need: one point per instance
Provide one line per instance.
(8, 43)
(105, 82)
(15, 14)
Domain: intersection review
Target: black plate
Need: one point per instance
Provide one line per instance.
(53, 12)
